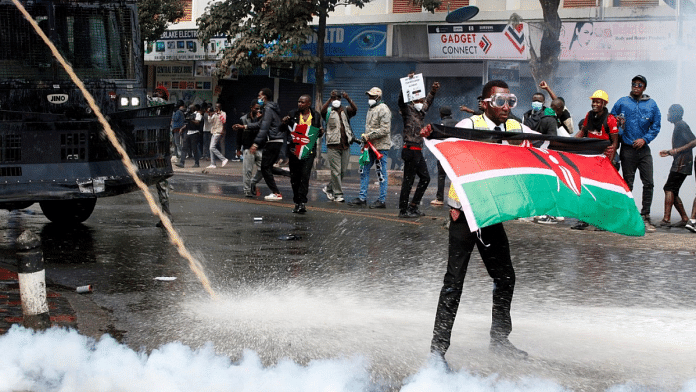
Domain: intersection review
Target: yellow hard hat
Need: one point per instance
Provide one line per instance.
(601, 94)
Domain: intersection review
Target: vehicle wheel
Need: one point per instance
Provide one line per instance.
(68, 211)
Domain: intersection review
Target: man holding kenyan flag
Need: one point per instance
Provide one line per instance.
(305, 128)
(493, 183)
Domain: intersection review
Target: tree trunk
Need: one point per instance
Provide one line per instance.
(319, 70)
(544, 65)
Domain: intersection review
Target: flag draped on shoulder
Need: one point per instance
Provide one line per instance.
(304, 138)
(547, 175)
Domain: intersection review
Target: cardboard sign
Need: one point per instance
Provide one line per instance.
(413, 88)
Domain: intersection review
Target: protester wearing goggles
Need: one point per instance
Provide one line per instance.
(491, 241)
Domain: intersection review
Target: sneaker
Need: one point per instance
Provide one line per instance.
(299, 209)
(416, 211)
(546, 220)
(649, 228)
(408, 214)
(691, 226)
(248, 194)
(378, 204)
(178, 164)
(580, 226)
(339, 199)
(302, 209)
(437, 202)
(224, 162)
(505, 348)
(211, 167)
(329, 195)
(274, 197)
(196, 165)
(357, 202)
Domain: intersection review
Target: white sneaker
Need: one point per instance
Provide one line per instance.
(211, 167)
(274, 197)
(329, 195)
(546, 220)
(339, 199)
(691, 226)
(224, 162)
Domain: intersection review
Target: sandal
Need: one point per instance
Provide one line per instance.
(664, 223)
(680, 223)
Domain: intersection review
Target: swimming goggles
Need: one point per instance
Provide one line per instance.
(499, 100)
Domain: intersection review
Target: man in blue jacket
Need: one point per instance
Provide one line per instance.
(639, 119)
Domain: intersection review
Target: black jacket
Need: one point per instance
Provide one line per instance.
(270, 127)
(245, 137)
(295, 119)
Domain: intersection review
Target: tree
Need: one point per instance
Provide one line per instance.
(267, 32)
(156, 15)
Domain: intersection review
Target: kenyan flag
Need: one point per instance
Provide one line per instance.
(496, 183)
(304, 137)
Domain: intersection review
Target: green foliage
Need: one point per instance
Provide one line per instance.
(430, 5)
(263, 32)
(155, 16)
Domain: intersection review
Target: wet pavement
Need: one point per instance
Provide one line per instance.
(593, 309)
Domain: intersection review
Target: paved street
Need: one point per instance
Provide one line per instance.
(593, 309)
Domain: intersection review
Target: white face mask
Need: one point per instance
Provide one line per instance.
(371, 102)
(418, 106)
(336, 103)
(536, 106)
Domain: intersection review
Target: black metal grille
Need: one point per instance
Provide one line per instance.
(11, 149)
(11, 171)
(151, 142)
(73, 146)
(152, 163)
(96, 39)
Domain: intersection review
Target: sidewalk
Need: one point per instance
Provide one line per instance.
(61, 313)
(323, 174)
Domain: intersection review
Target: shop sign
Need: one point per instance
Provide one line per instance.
(624, 41)
(478, 42)
(351, 40)
(178, 45)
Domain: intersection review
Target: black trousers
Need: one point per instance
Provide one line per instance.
(494, 249)
(441, 177)
(271, 151)
(640, 160)
(300, 171)
(414, 165)
(190, 146)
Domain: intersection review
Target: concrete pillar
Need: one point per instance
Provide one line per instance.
(32, 281)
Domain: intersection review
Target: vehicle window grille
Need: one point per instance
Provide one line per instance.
(11, 171)
(73, 146)
(11, 148)
(96, 39)
(151, 142)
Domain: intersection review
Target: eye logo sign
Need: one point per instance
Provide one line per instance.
(57, 99)
(516, 36)
(485, 44)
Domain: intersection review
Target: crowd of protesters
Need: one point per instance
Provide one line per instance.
(630, 124)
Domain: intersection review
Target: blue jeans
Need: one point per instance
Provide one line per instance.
(365, 177)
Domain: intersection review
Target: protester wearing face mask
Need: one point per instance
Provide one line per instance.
(413, 114)
(540, 118)
(377, 131)
(271, 138)
(339, 136)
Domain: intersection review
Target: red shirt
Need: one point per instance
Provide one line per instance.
(602, 134)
